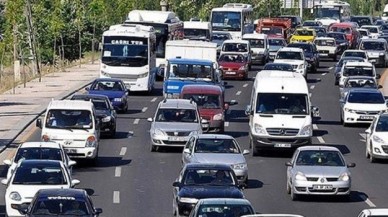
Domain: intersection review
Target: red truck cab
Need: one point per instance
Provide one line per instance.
(211, 104)
(349, 29)
(274, 27)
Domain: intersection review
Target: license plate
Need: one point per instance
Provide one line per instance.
(176, 138)
(230, 73)
(283, 145)
(367, 117)
(324, 54)
(322, 187)
(67, 150)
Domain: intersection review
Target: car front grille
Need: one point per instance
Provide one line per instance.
(385, 148)
(282, 131)
(367, 112)
(323, 51)
(178, 133)
(295, 66)
(312, 179)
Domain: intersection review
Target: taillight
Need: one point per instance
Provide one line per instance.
(91, 139)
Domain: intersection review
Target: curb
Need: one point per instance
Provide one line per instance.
(39, 113)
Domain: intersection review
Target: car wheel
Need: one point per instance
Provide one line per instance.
(288, 188)
(335, 58)
(246, 182)
(294, 196)
(254, 150)
(367, 155)
(250, 67)
(222, 128)
(153, 148)
(372, 159)
(112, 133)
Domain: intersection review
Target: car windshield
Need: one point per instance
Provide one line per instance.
(345, 30)
(359, 83)
(304, 32)
(361, 20)
(289, 55)
(365, 97)
(358, 71)
(256, 43)
(208, 177)
(364, 32)
(176, 115)
(320, 158)
(310, 23)
(305, 47)
(276, 42)
(280, 67)
(57, 205)
(225, 210)
(232, 58)
(274, 30)
(371, 29)
(235, 47)
(344, 61)
(355, 54)
(205, 101)
(107, 86)
(38, 153)
(216, 146)
(69, 119)
(39, 175)
(282, 103)
(382, 124)
(99, 104)
(322, 42)
(190, 71)
(372, 45)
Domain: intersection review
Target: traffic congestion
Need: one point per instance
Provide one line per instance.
(233, 117)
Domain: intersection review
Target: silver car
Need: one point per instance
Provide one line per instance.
(175, 121)
(358, 82)
(318, 170)
(216, 148)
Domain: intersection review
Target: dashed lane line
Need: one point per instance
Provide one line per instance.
(136, 121)
(330, 68)
(363, 135)
(116, 197)
(315, 127)
(123, 151)
(367, 201)
(154, 99)
(238, 93)
(245, 85)
(323, 74)
(312, 87)
(118, 172)
(320, 139)
(144, 109)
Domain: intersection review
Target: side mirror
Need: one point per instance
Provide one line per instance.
(97, 210)
(176, 184)
(351, 165)
(87, 88)
(186, 151)
(226, 106)
(289, 164)
(23, 208)
(378, 76)
(149, 119)
(7, 162)
(368, 131)
(39, 123)
(248, 110)
(72, 163)
(74, 182)
(4, 181)
(315, 111)
(246, 152)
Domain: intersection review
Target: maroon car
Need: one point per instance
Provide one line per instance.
(234, 66)
(210, 102)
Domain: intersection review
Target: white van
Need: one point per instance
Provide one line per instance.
(197, 30)
(385, 13)
(280, 111)
(74, 125)
(260, 47)
(238, 46)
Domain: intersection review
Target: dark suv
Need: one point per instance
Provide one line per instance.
(311, 54)
(362, 20)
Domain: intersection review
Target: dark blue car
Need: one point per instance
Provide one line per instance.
(340, 40)
(114, 89)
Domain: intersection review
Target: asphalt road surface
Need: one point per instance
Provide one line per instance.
(129, 180)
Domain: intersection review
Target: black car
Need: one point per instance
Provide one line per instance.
(320, 30)
(104, 111)
(201, 180)
(362, 20)
(341, 62)
(61, 202)
(384, 29)
(340, 40)
(310, 52)
(279, 67)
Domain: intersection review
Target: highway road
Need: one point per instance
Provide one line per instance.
(131, 181)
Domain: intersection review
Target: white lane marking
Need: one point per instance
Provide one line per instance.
(130, 134)
(144, 109)
(233, 101)
(363, 135)
(123, 151)
(312, 87)
(367, 201)
(320, 139)
(226, 124)
(323, 74)
(116, 197)
(315, 127)
(330, 68)
(310, 94)
(238, 93)
(118, 172)
(154, 99)
(245, 85)
(136, 121)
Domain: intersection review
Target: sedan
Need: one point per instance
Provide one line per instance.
(234, 65)
(377, 138)
(339, 66)
(311, 54)
(340, 40)
(104, 111)
(114, 89)
(215, 148)
(225, 207)
(318, 170)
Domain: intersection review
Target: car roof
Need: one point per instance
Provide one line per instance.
(293, 49)
(40, 145)
(370, 26)
(365, 64)
(90, 96)
(208, 166)
(59, 192)
(236, 41)
(211, 89)
(70, 105)
(317, 148)
(178, 104)
(107, 79)
(52, 163)
(374, 40)
(190, 61)
(353, 50)
(214, 136)
(225, 201)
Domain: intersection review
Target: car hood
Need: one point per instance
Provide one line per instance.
(109, 94)
(210, 112)
(282, 121)
(176, 85)
(292, 62)
(302, 38)
(210, 191)
(232, 65)
(27, 192)
(274, 48)
(225, 158)
(366, 106)
(321, 171)
(175, 126)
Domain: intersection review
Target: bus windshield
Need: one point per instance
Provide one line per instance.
(333, 12)
(226, 21)
(125, 51)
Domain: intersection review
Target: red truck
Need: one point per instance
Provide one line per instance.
(210, 102)
(274, 27)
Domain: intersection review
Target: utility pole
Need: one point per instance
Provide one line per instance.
(301, 8)
(15, 55)
(32, 38)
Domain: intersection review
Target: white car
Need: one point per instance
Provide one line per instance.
(375, 212)
(327, 48)
(295, 57)
(39, 151)
(355, 53)
(361, 105)
(351, 69)
(374, 31)
(364, 33)
(31, 176)
(377, 138)
(239, 46)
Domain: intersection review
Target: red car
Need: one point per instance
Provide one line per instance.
(234, 66)
(210, 102)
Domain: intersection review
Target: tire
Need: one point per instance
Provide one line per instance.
(254, 150)
(367, 155)
(294, 196)
(250, 67)
(153, 148)
(335, 58)
(112, 134)
(222, 129)
(288, 188)
(371, 158)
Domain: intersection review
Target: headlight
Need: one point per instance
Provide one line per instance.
(158, 132)
(344, 177)
(308, 58)
(143, 75)
(260, 129)
(218, 117)
(306, 131)
(118, 99)
(15, 196)
(239, 166)
(343, 44)
(377, 139)
(187, 200)
(106, 119)
(91, 141)
(300, 66)
(300, 177)
(382, 54)
(242, 68)
(349, 110)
